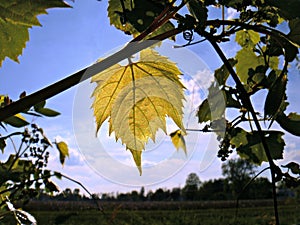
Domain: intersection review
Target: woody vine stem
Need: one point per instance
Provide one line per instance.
(275, 170)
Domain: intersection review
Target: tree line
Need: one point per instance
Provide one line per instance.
(237, 174)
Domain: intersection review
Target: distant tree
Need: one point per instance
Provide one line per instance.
(260, 188)
(150, 195)
(142, 194)
(213, 190)
(175, 194)
(238, 172)
(161, 195)
(134, 196)
(191, 187)
(67, 193)
(76, 194)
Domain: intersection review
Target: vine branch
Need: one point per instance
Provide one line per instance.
(247, 103)
(84, 74)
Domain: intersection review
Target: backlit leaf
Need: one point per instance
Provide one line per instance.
(222, 73)
(249, 146)
(178, 140)
(204, 113)
(247, 38)
(15, 19)
(247, 60)
(213, 107)
(137, 98)
(63, 149)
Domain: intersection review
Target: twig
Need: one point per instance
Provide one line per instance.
(244, 188)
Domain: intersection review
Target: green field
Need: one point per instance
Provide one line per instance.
(289, 214)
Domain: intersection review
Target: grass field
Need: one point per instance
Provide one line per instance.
(262, 215)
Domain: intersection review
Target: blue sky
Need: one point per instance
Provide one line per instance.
(72, 39)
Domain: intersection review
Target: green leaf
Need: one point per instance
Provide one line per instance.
(137, 97)
(40, 108)
(50, 186)
(204, 113)
(294, 167)
(284, 47)
(222, 73)
(13, 169)
(275, 97)
(138, 15)
(39, 105)
(16, 121)
(178, 141)
(247, 38)
(230, 101)
(294, 34)
(57, 175)
(16, 17)
(213, 107)
(63, 149)
(2, 144)
(249, 146)
(198, 11)
(290, 123)
(288, 9)
(48, 112)
(246, 59)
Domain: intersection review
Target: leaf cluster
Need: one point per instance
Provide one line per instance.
(24, 174)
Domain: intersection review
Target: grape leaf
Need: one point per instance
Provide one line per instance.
(16, 17)
(63, 149)
(290, 123)
(294, 167)
(198, 10)
(248, 145)
(138, 15)
(204, 113)
(246, 60)
(16, 121)
(275, 96)
(247, 38)
(2, 144)
(213, 107)
(222, 73)
(137, 97)
(294, 34)
(178, 141)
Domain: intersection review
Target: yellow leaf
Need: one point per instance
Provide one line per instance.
(137, 157)
(63, 149)
(178, 141)
(136, 99)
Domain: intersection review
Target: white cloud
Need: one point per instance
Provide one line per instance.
(232, 14)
